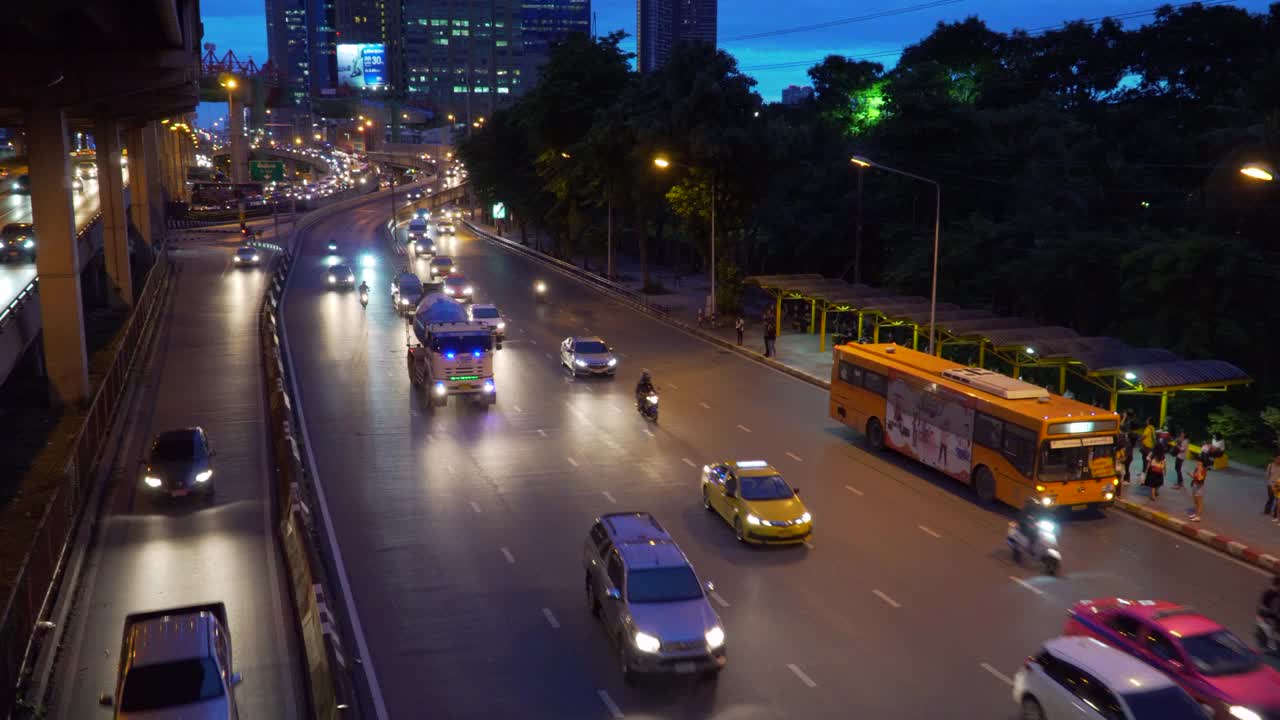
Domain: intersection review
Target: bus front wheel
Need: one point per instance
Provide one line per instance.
(875, 434)
(984, 484)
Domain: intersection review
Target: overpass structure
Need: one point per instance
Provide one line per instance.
(127, 72)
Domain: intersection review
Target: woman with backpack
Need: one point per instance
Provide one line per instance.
(1197, 486)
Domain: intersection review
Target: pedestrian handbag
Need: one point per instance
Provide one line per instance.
(1198, 475)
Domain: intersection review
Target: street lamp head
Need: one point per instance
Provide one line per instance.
(566, 156)
(1258, 171)
(860, 161)
(662, 162)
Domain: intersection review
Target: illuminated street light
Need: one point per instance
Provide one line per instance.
(1130, 376)
(566, 156)
(316, 136)
(662, 162)
(368, 123)
(1258, 171)
(297, 141)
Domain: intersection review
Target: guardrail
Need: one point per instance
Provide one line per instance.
(602, 284)
(41, 570)
(10, 310)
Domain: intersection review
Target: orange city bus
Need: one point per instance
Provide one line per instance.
(1011, 440)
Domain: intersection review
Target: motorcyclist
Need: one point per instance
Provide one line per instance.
(644, 387)
(1029, 522)
(364, 286)
(1269, 606)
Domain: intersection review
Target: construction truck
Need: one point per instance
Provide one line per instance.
(453, 355)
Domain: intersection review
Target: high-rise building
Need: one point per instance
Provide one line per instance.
(361, 21)
(322, 45)
(288, 46)
(546, 22)
(663, 24)
(796, 94)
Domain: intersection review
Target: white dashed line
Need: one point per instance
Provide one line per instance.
(608, 497)
(886, 598)
(928, 531)
(808, 681)
(542, 432)
(610, 705)
(648, 432)
(853, 489)
(531, 340)
(517, 408)
(673, 386)
(587, 388)
(475, 506)
(795, 457)
(548, 356)
(507, 554)
(612, 444)
(716, 596)
(572, 462)
(705, 405)
(1001, 676)
(688, 462)
(744, 428)
(1027, 585)
(551, 618)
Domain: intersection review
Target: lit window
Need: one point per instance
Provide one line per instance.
(439, 41)
(501, 43)
(459, 88)
(504, 90)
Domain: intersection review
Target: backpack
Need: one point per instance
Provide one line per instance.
(1199, 474)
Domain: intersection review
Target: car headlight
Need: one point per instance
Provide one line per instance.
(715, 637)
(580, 363)
(152, 481)
(1046, 501)
(203, 476)
(806, 517)
(29, 244)
(466, 290)
(239, 259)
(404, 301)
(752, 519)
(351, 278)
(1243, 713)
(502, 326)
(647, 643)
(255, 258)
(332, 279)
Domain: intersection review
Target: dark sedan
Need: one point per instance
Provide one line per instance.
(180, 463)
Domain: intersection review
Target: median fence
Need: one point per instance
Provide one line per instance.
(40, 576)
(328, 676)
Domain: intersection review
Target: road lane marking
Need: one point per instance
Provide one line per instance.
(551, 618)
(689, 462)
(610, 705)
(795, 457)
(608, 497)
(648, 432)
(622, 354)
(587, 388)
(928, 531)
(744, 428)
(542, 432)
(853, 489)
(507, 554)
(705, 405)
(1001, 676)
(808, 681)
(1027, 585)
(673, 386)
(548, 356)
(475, 506)
(517, 408)
(716, 596)
(612, 444)
(531, 340)
(572, 462)
(886, 598)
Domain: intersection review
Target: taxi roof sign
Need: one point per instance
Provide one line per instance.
(751, 463)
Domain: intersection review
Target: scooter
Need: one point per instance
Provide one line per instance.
(648, 407)
(364, 298)
(540, 291)
(1043, 548)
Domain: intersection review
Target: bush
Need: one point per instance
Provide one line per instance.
(1232, 423)
(1271, 418)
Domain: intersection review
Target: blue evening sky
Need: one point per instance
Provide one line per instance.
(240, 25)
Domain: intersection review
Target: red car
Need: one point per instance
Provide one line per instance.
(1206, 659)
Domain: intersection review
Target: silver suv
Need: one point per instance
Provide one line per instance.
(644, 590)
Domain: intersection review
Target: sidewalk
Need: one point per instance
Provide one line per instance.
(1233, 520)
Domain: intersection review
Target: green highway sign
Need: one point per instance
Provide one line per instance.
(260, 170)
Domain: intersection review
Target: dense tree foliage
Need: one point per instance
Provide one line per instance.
(1089, 172)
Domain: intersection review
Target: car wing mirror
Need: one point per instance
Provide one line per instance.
(795, 491)
(614, 593)
(711, 587)
(236, 678)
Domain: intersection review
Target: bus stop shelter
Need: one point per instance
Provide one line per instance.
(1107, 363)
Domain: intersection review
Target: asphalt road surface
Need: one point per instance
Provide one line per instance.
(461, 528)
(205, 370)
(15, 208)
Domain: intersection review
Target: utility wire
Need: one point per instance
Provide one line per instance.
(844, 21)
(1035, 31)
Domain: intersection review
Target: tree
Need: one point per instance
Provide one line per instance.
(849, 93)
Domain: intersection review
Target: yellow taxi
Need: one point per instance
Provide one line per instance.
(753, 498)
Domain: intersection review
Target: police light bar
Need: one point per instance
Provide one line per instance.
(751, 464)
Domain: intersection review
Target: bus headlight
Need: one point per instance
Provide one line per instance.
(488, 386)
(440, 389)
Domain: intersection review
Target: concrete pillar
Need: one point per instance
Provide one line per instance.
(239, 143)
(58, 262)
(155, 190)
(140, 181)
(115, 226)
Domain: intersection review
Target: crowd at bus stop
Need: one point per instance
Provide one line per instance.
(1159, 447)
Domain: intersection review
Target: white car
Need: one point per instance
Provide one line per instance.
(1080, 678)
(588, 356)
(489, 316)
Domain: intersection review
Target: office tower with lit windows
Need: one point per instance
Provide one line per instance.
(663, 24)
(288, 46)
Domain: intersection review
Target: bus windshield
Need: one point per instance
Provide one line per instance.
(1077, 459)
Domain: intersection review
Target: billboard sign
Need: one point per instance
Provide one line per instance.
(499, 211)
(362, 65)
(266, 170)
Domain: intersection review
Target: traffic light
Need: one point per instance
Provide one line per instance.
(244, 229)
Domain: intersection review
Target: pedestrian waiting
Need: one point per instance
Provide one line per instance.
(1272, 507)
(1154, 473)
(1198, 476)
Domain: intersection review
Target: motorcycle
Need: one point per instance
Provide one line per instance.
(1043, 548)
(364, 297)
(540, 291)
(333, 247)
(648, 407)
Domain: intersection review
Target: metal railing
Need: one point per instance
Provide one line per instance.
(599, 282)
(10, 311)
(37, 580)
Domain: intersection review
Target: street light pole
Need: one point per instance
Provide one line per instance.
(712, 308)
(857, 236)
(862, 162)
